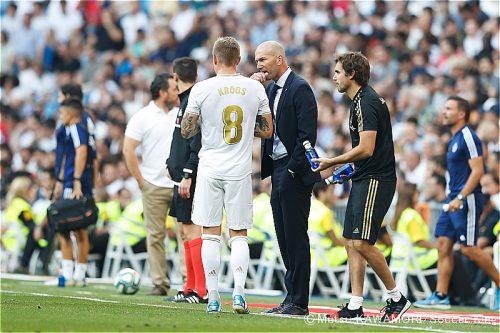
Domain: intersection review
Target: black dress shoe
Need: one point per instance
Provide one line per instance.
(276, 309)
(294, 310)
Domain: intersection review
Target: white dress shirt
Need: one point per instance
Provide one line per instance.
(279, 150)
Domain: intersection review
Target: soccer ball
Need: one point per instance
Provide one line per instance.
(128, 281)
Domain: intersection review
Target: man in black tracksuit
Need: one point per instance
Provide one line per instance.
(182, 165)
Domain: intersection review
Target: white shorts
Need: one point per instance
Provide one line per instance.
(211, 195)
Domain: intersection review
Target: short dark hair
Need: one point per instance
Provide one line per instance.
(440, 179)
(74, 104)
(72, 90)
(463, 105)
(355, 62)
(186, 68)
(319, 187)
(160, 82)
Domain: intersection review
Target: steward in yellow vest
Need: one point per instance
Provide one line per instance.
(18, 215)
(260, 235)
(409, 222)
(322, 221)
(132, 224)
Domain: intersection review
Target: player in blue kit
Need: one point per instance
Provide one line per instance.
(73, 90)
(74, 180)
(460, 222)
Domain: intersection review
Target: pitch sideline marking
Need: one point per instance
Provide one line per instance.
(255, 314)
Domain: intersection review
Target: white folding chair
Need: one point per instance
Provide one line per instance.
(117, 254)
(492, 290)
(10, 259)
(333, 288)
(270, 264)
(410, 267)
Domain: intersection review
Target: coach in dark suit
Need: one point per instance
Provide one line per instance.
(283, 158)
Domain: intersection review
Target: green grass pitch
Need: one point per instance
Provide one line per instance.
(34, 307)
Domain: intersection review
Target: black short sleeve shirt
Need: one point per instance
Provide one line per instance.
(369, 112)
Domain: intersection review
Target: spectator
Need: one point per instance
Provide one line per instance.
(134, 21)
(435, 189)
(410, 223)
(18, 218)
(28, 41)
(490, 187)
(322, 221)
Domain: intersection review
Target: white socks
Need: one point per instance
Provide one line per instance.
(355, 302)
(67, 269)
(80, 270)
(240, 257)
(394, 294)
(210, 255)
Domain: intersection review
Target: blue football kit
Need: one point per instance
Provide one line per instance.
(462, 225)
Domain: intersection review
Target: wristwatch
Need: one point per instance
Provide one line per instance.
(187, 175)
(460, 197)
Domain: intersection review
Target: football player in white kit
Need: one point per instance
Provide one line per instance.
(230, 110)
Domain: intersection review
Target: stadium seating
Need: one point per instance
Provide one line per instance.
(119, 254)
(332, 286)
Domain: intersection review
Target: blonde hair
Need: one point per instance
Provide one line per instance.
(18, 188)
(227, 51)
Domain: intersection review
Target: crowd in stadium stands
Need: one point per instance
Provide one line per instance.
(421, 52)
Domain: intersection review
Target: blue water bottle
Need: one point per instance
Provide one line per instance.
(310, 154)
(340, 175)
(61, 281)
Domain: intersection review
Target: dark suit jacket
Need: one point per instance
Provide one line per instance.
(296, 121)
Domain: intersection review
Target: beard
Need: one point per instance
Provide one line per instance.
(170, 105)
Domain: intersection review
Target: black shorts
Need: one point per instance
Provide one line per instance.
(181, 208)
(368, 203)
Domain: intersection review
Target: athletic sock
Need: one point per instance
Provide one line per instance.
(213, 295)
(240, 257)
(67, 269)
(441, 295)
(80, 270)
(355, 302)
(394, 294)
(189, 268)
(210, 254)
(199, 274)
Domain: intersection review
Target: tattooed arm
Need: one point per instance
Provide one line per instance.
(263, 126)
(189, 125)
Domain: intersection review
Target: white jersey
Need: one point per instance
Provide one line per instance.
(227, 106)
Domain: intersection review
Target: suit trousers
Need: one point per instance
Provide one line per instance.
(291, 202)
(156, 201)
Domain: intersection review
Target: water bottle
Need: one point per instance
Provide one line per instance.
(340, 175)
(310, 154)
(446, 207)
(61, 281)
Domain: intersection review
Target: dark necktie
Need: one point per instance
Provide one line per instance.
(272, 97)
